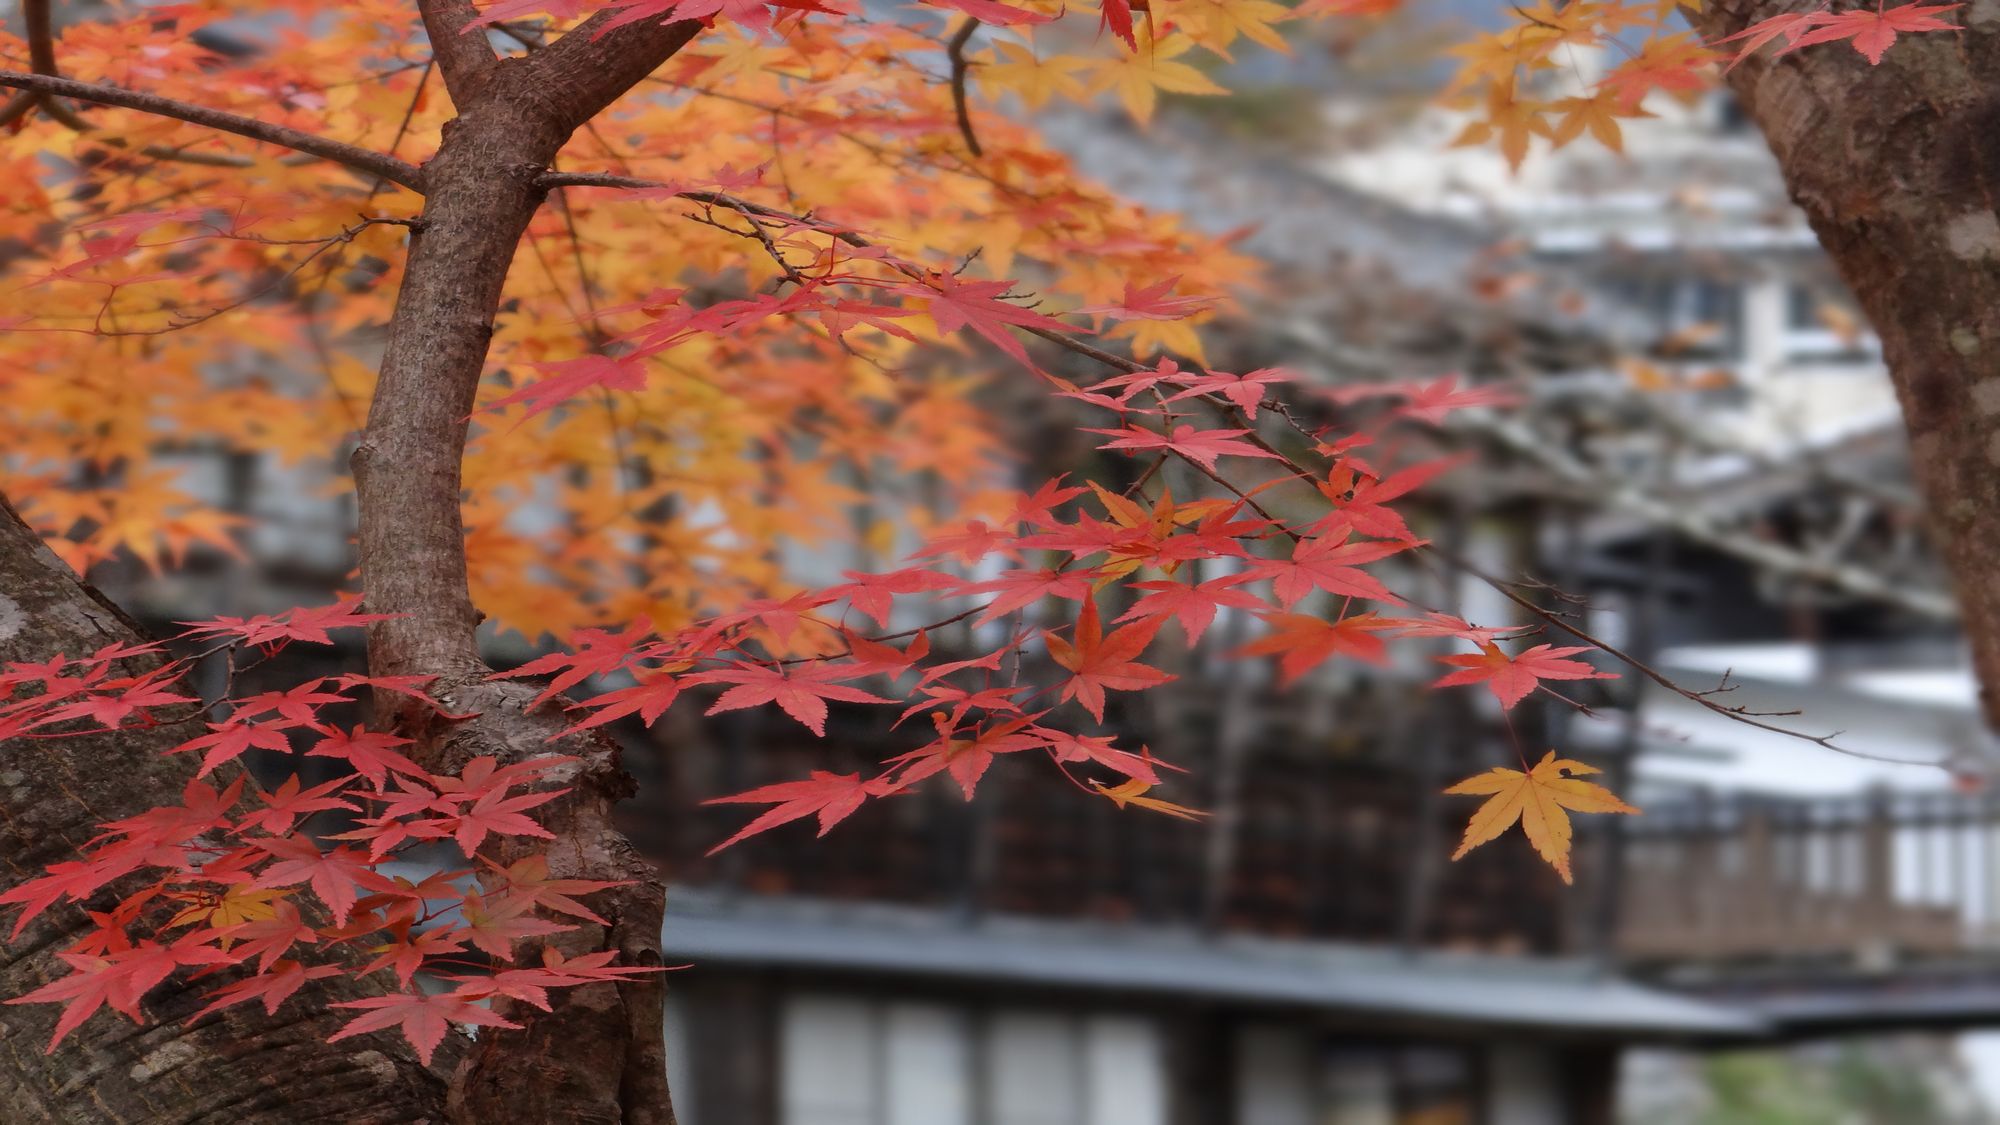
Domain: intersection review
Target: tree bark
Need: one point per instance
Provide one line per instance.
(599, 1056)
(1898, 168)
(237, 1066)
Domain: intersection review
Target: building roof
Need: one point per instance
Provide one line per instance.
(1528, 994)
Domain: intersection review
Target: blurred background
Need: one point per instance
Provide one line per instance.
(1708, 469)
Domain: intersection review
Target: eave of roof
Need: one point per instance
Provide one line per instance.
(1530, 994)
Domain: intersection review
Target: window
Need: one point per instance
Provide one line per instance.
(861, 1061)
(1698, 318)
(1823, 326)
(1289, 1076)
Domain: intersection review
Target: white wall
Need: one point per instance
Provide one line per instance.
(848, 1060)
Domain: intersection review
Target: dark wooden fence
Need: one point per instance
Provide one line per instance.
(1870, 879)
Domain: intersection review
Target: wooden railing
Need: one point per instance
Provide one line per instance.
(1869, 880)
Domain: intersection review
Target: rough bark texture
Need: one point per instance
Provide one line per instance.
(238, 1066)
(1898, 168)
(598, 1057)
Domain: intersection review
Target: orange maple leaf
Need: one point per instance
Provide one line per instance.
(1537, 799)
(1132, 792)
(1097, 662)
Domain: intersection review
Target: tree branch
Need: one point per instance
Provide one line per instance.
(955, 51)
(463, 54)
(353, 156)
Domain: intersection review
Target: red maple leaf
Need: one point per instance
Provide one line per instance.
(1874, 32)
(1097, 662)
(373, 754)
(422, 1017)
(593, 652)
(1245, 392)
(1430, 402)
(528, 879)
(1117, 15)
(1018, 588)
(955, 303)
(989, 11)
(119, 978)
(300, 704)
(495, 812)
(273, 987)
(1038, 510)
(1154, 302)
(649, 699)
(1511, 678)
(1791, 25)
(333, 875)
(1361, 501)
(969, 543)
(268, 939)
(407, 949)
(306, 623)
(831, 796)
(801, 692)
(1200, 446)
(1302, 642)
(571, 377)
(1067, 747)
(1445, 625)
(966, 759)
(133, 695)
(875, 594)
(1673, 63)
(498, 927)
(284, 805)
(226, 742)
(556, 971)
(1328, 562)
(1192, 605)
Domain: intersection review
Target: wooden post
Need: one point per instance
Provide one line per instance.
(1874, 933)
(1755, 886)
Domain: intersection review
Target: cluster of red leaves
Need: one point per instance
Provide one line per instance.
(1062, 544)
(1132, 553)
(228, 880)
(1871, 32)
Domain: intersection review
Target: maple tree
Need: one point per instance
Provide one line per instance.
(685, 280)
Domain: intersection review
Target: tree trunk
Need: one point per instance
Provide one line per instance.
(239, 1065)
(598, 1056)
(1898, 168)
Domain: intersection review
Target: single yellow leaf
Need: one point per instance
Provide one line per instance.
(1537, 799)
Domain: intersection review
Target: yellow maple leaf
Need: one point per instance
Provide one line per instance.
(237, 906)
(1215, 24)
(1537, 799)
(1138, 76)
(1597, 115)
(1014, 66)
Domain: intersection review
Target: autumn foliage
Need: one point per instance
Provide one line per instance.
(758, 310)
